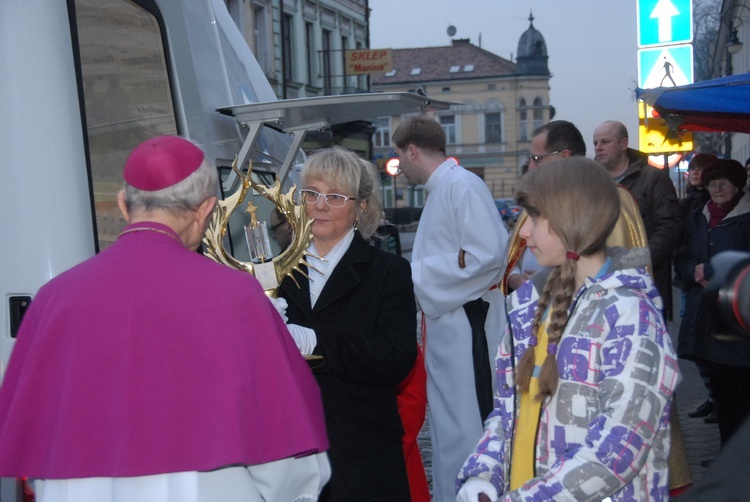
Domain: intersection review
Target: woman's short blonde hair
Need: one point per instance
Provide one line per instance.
(355, 177)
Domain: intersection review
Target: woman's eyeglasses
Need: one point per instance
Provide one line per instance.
(718, 186)
(332, 199)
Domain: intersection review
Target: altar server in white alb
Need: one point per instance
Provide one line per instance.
(457, 262)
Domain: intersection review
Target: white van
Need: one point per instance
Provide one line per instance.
(85, 81)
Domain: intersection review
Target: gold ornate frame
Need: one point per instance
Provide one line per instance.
(281, 266)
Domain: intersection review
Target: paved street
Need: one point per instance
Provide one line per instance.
(701, 439)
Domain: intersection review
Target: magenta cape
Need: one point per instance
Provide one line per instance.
(148, 359)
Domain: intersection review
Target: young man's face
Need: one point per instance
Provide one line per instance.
(405, 163)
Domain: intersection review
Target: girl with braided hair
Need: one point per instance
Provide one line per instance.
(586, 371)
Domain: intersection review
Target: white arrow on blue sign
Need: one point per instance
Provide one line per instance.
(664, 22)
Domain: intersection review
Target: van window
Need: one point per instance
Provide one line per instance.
(126, 93)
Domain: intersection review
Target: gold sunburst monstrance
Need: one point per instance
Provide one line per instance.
(271, 273)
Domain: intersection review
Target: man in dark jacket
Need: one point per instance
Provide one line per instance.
(656, 197)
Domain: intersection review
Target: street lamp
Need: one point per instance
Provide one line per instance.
(734, 46)
(733, 19)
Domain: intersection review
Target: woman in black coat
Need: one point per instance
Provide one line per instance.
(358, 313)
(722, 224)
(696, 197)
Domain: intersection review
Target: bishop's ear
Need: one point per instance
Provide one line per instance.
(122, 205)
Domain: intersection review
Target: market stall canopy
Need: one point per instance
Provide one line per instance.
(721, 104)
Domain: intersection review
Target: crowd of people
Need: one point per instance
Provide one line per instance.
(150, 372)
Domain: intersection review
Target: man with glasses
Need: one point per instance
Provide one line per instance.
(457, 261)
(656, 197)
(558, 139)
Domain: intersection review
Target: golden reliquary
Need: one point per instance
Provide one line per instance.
(269, 270)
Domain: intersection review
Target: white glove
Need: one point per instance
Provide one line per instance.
(471, 489)
(304, 338)
(280, 305)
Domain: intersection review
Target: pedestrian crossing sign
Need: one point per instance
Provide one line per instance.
(665, 66)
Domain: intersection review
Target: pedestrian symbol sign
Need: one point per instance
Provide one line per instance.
(664, 22)
(665, 59)
(668, 66)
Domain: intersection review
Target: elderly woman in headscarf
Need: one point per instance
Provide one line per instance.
(696, 196)
(722, 224)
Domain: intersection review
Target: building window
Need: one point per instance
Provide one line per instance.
(382, 136)
(493, 129)
(469, 67)
(310, 43)
(538, 113)
(390, 73)
(388, 198)
(523, 127)
(417, 199)
(262, 47)
(235, 10)
(455, 69)
(326, 51)
(344, 46)
(362, 79)
(415, 71)
(286, 47)
(449, 126)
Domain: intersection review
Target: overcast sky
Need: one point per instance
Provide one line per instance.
(591, 44)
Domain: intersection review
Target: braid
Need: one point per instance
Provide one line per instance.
(562, 287)
(525, 367)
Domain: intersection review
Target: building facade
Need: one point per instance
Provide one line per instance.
(300, 45)
(497, 104)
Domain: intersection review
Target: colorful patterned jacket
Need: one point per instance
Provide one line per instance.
(605, 431)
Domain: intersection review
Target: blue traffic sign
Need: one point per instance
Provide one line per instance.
(668, 66)
(664, 22)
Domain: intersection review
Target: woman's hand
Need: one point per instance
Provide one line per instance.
(699, 277)
(305, 338)
(473, 488)
(280, 305)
